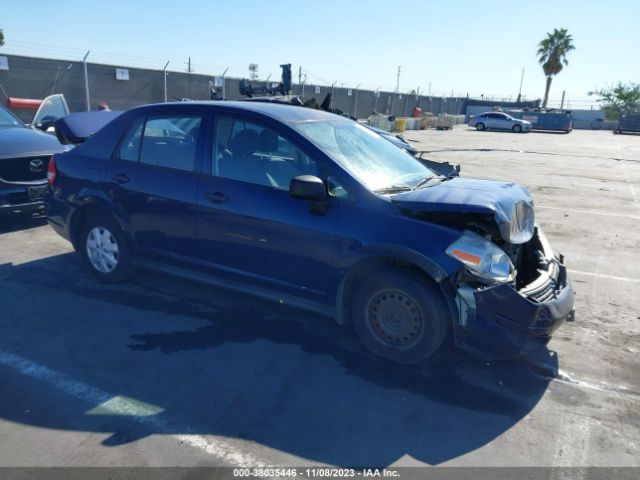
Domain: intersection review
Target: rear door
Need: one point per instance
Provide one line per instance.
(152, 181)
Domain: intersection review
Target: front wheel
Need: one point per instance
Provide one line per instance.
(105, 250)
(400, 316)
(480, 126)
(517, 129)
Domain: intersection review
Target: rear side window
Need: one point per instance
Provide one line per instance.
(170, 141)
(130, 146)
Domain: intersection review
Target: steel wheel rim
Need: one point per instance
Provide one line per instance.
(102, 250)
(395, 318)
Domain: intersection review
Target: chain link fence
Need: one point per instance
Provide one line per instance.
(31, 77)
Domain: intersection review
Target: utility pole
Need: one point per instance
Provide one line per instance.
(355, 104)
(429, 88)
(377, 94)
(520, 89)
(395, 94)
(562, 101)
(189, 65)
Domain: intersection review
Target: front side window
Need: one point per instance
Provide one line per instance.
(371, 159)
(170, 141)
(249, 152)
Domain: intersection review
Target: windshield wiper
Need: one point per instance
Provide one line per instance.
(427, 180)
(393, 189)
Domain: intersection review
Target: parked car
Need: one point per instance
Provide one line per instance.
(499, 121)
(316, 211)
(24, 156)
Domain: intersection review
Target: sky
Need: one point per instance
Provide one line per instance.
(456, 47)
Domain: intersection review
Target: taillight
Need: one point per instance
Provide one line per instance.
(51, 171)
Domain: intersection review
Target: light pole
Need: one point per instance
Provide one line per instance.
(375, 103)
(355, 103)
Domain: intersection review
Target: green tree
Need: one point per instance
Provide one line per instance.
(619, 100)
(1, 37)
(552, 55)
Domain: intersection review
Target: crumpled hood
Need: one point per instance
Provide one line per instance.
(26, 142)
(509, 203)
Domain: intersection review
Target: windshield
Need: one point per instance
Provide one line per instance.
(370, 158)
(7, 119)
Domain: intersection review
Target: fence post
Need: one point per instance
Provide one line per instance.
(86, 80)
(164, 74)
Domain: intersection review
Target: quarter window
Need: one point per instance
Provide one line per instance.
(170, 141)
(249, 152)
(130, 146)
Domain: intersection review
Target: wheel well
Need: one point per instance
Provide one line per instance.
(80, 216)
(363, 269)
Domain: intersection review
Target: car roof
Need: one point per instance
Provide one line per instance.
(277, 111)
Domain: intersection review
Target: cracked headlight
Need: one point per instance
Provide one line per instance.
(482, 258)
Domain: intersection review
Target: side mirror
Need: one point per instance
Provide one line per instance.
(308, 187)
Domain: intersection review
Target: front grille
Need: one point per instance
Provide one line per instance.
(25, 169)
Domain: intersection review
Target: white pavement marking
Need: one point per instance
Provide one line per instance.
(602, 275)
(139, 412)
(590, 212)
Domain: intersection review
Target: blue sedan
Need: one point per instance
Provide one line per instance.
(499, 121)
(316, 211)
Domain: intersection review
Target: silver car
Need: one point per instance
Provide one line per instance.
(498, 121)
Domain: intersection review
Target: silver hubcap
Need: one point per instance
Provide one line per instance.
(102, 250)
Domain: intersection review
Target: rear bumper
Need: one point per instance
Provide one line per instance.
(58, 216)
(500, 321)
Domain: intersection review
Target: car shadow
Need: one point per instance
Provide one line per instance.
(13, 223)
(220, 363)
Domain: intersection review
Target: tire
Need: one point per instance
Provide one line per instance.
(517, 129)
(400, 316)
(105, 250)
(480, 126)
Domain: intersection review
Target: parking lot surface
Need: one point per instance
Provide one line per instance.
(160, 371)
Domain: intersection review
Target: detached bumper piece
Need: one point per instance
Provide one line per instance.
(503, 322)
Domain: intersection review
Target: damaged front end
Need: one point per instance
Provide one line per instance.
(517, 316)
(511, 291)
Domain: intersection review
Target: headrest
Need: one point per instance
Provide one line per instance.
(244, 143)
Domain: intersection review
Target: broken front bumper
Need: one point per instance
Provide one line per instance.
(501, 321)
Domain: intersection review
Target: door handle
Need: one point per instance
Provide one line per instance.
(216, 197)
(121, 178)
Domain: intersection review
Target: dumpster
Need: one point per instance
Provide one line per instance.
(629, 123)
(546, 119)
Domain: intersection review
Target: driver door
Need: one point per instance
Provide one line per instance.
(249, 227)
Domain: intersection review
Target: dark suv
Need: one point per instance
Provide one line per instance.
(316, 211)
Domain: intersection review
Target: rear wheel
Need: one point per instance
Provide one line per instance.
(480, 126)
(400, 316)
(517, 128)
(105, 250)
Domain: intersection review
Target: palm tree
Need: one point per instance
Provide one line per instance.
(552, 55)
